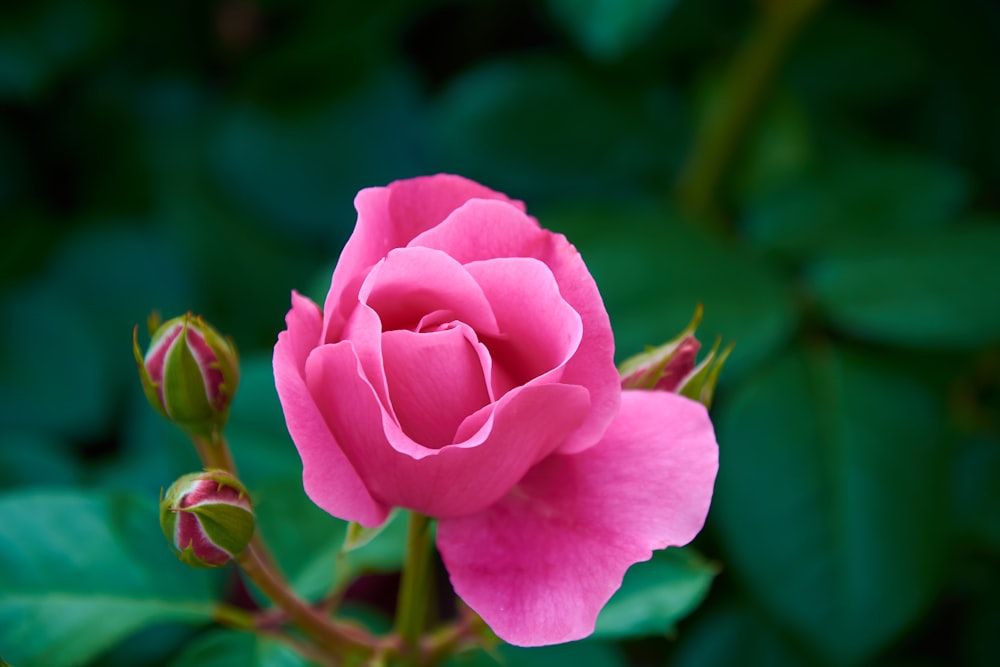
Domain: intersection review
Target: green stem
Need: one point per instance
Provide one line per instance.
(414, 589)
(214, 452)
(336, 638)
(744, 90)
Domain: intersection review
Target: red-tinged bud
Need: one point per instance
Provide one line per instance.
(207, 517)
(189, 373)
(673, 366)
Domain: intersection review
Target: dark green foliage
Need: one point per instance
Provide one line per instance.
(204, 156)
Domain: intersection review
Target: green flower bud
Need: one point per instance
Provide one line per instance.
(189, 373)
(673, 366)
(207, 517)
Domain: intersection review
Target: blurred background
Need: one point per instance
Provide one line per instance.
(823, 176)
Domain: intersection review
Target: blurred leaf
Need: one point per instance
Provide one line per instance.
(608, 29)
(579, 654)
(80, 572)
(52, 366)
(931, 289)
(118, 275)
(734, 634)
(32, 457)
(40, 41)
(977, 491)
(299, 170)
(653, 270)
(656, 594)
(869, 197)
(153, 646)
(152, 452)
(778, 153)
(229, 648)
(536, 127)
(245, 269)
(830, 500)
(851, 57)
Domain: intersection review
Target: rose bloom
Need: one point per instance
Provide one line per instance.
(463, 367)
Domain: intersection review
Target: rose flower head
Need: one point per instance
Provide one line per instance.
(462, 366)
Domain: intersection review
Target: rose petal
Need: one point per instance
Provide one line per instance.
(435, 381)
(328, 477)
(538, 335)
(540, 564)
(388, 218)
(526, 424)
(412, 282)
(482, 229)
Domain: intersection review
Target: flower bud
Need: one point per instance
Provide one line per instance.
(208, 518)
(673, 366)
(189, 374)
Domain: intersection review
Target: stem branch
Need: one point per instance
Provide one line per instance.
(335, 637)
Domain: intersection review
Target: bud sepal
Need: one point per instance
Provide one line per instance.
(674, 367)
(207, 517)
(189, 374)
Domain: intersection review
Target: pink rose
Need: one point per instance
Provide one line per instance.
(462, 367)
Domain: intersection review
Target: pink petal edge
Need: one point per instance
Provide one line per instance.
(460, 479)
(539, 565)
(328, 477)
(484, 229)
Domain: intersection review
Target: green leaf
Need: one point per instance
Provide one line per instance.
(608, 29)
(41, 41)
(850, 203)
(228, 648)
(358, 536)
(735, 634)
(528, 127)
(579, 654)
(931, 289)
(31, 457)
(830, 502)
(299, 170)
(977, 491)
(656, 594)
(79, 572)
(52, 381)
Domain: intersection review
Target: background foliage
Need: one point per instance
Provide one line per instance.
(822, 176)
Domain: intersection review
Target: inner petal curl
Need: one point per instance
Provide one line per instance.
(435, 379)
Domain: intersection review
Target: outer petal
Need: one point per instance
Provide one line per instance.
(455, 480)
(482, 229)
(389, 218)
(328, 477)
(540, 564)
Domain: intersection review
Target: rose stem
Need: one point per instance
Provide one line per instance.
(260, 567)
(337, 638)
(214, 453)
(414, 588)
(725, 126)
